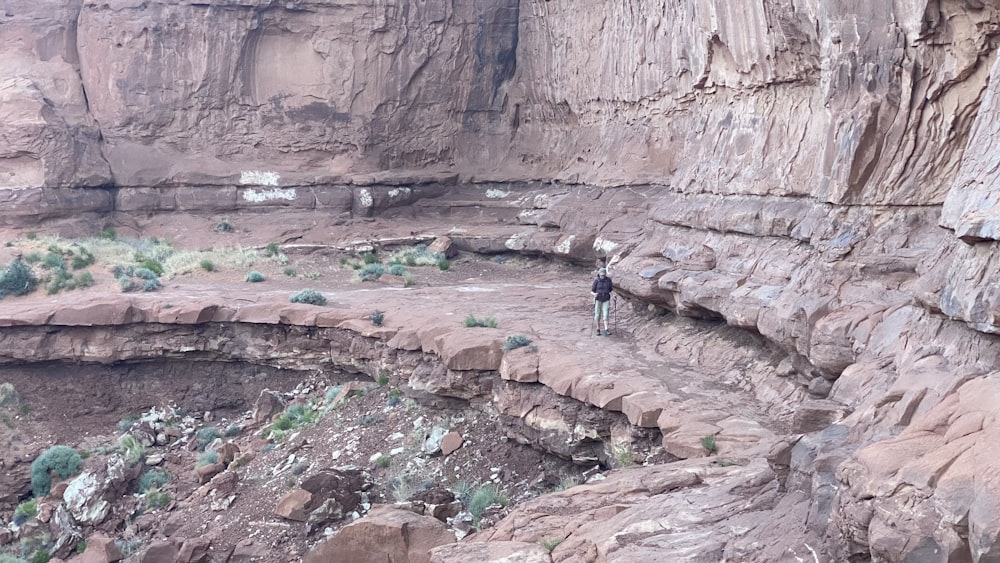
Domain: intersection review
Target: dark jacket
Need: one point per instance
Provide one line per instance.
(602, 288)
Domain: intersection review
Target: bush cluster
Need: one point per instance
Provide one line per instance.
(136, 279)
(516, 341)
(472, 321)
(309, 296)
(17, 279)
(64, 461)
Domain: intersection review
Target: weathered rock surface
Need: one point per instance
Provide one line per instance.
(781, 167)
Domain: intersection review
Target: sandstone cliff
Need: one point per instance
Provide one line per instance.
(820, 172)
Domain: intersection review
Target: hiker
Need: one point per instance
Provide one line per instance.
(601, 290)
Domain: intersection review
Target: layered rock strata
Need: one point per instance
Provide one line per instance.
(819, 172)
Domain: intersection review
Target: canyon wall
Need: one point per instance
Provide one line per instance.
(821, 172)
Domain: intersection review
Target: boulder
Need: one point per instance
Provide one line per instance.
(385, 534)
(292, 505)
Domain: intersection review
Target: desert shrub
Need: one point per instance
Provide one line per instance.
(128, 285)
(271, 249)
(623, 454)
(550, 544)
(472, 321)
(25, 511)
(64, 461)
(444, 264)
(371, 272)
(153, 478)
(31, 235)
(484, 497)
(132, 448)
(516, 341)
(225, 226)
(17, 279)
(8, 395)
(151, 285)
(309, 296)
(369, 258)
(233, 430)
(397, 270)
(155, 498)
(108, 234)
(208, 457)
(33, 257)
(52, 260)
(144, 273)
(377, 317)
(295, 416)
(290, 272)
(708, 442)
(382, 379)
(383, 461)
(205, 435)
(83, 279)
(255, 277)
(207, 265)
(125, 424)
(151, 264)
(11, 559)
(416, 256)
(82, 259)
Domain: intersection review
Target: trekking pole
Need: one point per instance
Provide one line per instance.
(614, 305)
(594, 321)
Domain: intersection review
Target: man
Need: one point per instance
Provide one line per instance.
(601, 290)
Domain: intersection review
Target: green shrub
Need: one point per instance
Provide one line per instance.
(472, 321)
(295, 416)
(255, 277)
(550, 544)
(397, 270)
(128, 285)
(26, 511)
(83, 259)
(108, 234)
(132, 448)
(371, 272)
(125, 424)
(151, 264)
(309, 296)
(623, 454)
(377, 317)
(290, 272)
(151, 285)
(708, 442)
(225, 226)
(153, 478)
(33, 257)
(52, 260)
(369, 258)
(485, 496)
(155, 498)
(444, 264)
(208, 457)
(204, 436)
(382, 379)
(233, 430)
(207, 265)
(31, 235)
(516, 341)
(17, 279)
(383, 461)
(64, 461)
(144, 273)
(271, 249)
(83, 279)
(41, 556)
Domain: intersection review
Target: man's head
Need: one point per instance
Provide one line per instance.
(602, 272)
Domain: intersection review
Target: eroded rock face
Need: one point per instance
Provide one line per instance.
(778, 166)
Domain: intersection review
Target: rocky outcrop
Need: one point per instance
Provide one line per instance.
(819, 174)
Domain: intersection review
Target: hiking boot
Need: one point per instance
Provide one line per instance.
(607, 333)
(598, 332)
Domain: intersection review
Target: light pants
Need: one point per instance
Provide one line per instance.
(602, 308)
